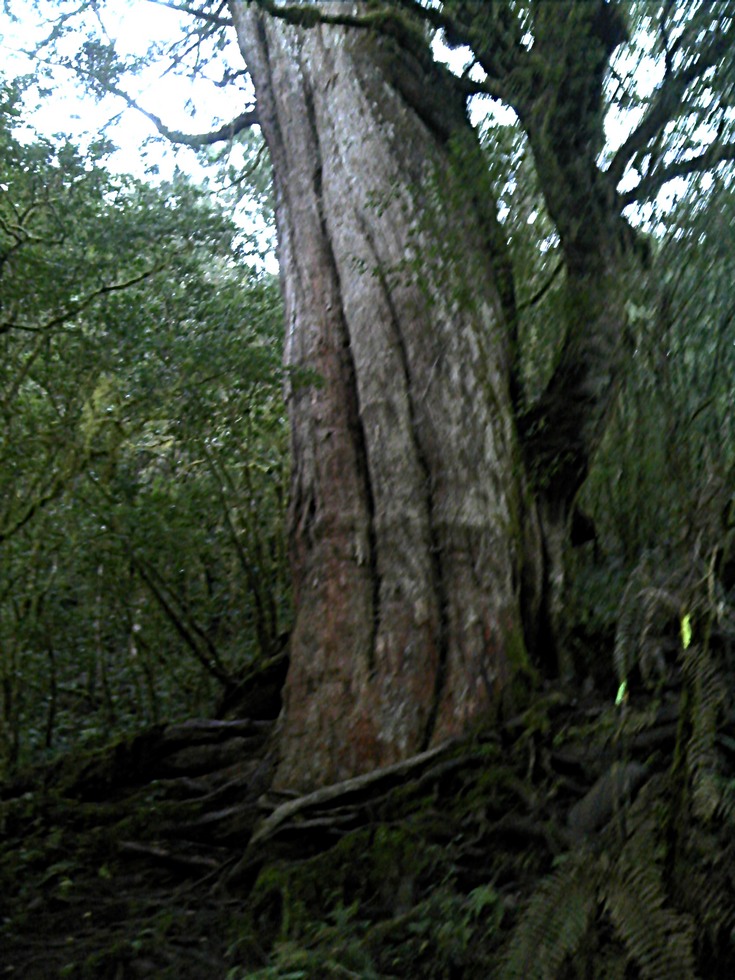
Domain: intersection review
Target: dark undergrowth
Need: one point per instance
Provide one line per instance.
(579, 839)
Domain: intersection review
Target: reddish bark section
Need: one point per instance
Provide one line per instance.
(406, 480)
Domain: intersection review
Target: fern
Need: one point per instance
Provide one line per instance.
(636, 904)
(622, 888)
(555, 922)
(708, 695)
(726, 807)
(645, 608)
(659, 940)
(652, 600)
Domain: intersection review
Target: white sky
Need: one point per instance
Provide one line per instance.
(133, 25)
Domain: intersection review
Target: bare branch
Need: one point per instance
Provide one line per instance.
(54, 489)
(667, 101)
(653, 182)
(226, 132)
(204, 15)
(77, 308)
(195, 637)
(250, 170)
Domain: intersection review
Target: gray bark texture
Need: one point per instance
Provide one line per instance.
(407, 512)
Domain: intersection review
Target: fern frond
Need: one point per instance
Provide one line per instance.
(658, 605)
(708, 696)
(627, 628)
(555, 922)
(705, 889)
(659, 940)
(644, 609)
(611, 965)
(726, 807)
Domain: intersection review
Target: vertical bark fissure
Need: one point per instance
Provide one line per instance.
(438, 584)
(354, 413)
(437, 574)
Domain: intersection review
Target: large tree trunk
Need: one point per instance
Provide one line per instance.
(410, 533)
(557, 92)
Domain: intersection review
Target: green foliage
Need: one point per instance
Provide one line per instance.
(659, 940)
(654, 599)
(142, 494)
(660, 488)
(554, 923)
(538, 270)
(620, 889)
(654, 895)
(379, 903)
(143, 456)
(673, 415)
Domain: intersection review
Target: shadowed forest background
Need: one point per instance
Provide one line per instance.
(149, 530)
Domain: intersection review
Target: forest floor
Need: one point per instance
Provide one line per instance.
(575, 839)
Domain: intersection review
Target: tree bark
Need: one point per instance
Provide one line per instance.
(411, 539)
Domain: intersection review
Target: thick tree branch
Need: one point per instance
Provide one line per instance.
(438, 19)
(491, 28)
(386, 19)
(309, 15)
(494, 35)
